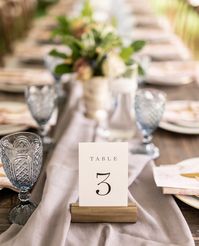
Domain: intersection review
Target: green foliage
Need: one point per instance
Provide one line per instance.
(63, 69)
(90, 43)
(138, 45)
(126, 54)
(141, 70)
(63, 27)
(87, 10)
(56, 53)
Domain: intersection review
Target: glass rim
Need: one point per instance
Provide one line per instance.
(40, 85)
(16, 133)
(152, 90)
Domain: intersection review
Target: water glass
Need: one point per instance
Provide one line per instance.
(149, 108)
(21, 155)
(41, 101)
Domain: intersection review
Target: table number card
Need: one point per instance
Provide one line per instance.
(103, 174)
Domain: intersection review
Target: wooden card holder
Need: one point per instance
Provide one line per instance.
(103, 214)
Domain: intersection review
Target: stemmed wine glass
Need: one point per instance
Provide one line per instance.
(149, 108)
(21, 155)
(41, 100)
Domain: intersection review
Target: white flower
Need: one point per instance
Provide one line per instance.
(108, 29)
(113, 66)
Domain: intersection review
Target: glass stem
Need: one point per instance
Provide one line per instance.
(42, 131)
(24, 196)
(59, 88)
(147, 139)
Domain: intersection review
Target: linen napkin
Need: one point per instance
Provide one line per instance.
(16, 114)
(23, 76)
(171, 73)
(4, 181)
(50, 223)
(182, 113)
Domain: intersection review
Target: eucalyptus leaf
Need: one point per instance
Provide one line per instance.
(56, 53)
(63, 69)
(87, 10)
(138, 45)
(126, 53)
(63, 27)
(141, 70)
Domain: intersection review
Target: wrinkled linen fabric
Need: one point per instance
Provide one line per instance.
(160, 221)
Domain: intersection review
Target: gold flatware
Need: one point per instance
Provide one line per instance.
(191, 175)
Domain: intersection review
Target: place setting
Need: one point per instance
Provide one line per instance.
(172, 73)
(174, 50)
(29, 54)
(181, 117)
(15, 80)
(181, 180)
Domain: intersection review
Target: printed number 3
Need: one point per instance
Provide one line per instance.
(103, 182)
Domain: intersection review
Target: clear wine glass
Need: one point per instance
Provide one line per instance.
(149, 108)
(120, 124)
(21, 155)
(41, 101)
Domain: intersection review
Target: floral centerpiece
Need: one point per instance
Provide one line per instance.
(97, 54)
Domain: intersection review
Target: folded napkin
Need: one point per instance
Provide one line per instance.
(13, 113)
(182, 113)
(151, 35)
(50, 223)
(180, 72)
(4, 181)
(170, 176)
(22, 76)
(174, 49)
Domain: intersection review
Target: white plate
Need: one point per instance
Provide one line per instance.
(178, 129)
(192, 201)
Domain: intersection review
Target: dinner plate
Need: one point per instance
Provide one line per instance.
(192, 201)
(178, 129)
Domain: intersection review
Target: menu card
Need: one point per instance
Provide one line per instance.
(103, 174)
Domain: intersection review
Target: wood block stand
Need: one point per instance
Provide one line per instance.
(103, 214)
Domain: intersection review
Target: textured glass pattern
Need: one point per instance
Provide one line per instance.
(41, 102)
(21, 156)
(149, 108)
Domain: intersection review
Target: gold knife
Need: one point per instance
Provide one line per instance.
(190, 175)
